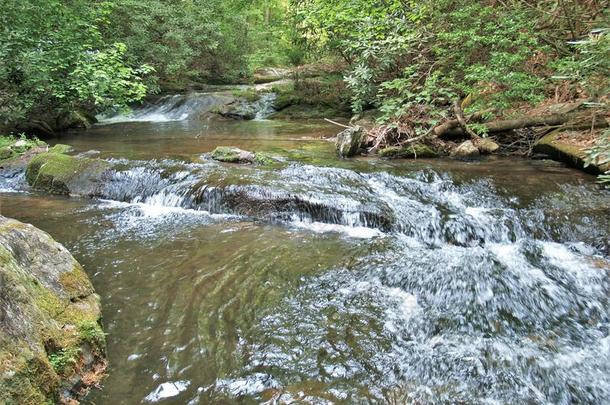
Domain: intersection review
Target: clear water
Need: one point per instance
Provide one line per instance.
(324, 281)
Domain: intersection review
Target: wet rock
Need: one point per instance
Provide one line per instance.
(466, 151)
(232, 155)
(239, 110)
(488, 147)
(57, 173)
(559, 148)
(408, 152)
(51, 343)
(349, 142)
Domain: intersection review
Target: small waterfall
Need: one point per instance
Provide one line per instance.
(178, 107)
(264, 106)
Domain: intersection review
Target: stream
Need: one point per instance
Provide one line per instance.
(326, 281)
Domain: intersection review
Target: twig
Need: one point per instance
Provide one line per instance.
(336, 123)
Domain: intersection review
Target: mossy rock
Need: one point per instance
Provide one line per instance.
(408, 152)
(61, 148)
(6, 153)
(57, 173)
(50, 332)
(227, 154)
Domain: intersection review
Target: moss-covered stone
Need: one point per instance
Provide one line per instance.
(229, 154)
(57, 173)
(50, 333)
(61, 148)
(553, 146)
(408, 152)
(6, 153)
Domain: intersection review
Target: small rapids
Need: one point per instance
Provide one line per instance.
(325, 285)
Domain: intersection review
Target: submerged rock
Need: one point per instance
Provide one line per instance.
(51, 343)
(466, 151)
(349, 142)
(57, 173)
(408, 152)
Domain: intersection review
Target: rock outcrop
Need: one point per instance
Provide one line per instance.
(51, 342)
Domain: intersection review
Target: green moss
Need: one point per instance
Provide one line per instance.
(76, 283)
(64, 361)
(264, 159)
(61, 148)
(408, 152)
(92, 333)
(33, 380)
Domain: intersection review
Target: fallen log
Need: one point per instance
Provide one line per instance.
(569, 121)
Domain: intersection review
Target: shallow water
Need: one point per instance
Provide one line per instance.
(320, 281)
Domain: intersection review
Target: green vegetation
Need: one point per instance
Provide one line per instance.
(417, 62)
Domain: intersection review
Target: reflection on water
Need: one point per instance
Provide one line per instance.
(488, 283)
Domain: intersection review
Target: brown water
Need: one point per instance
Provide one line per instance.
(480, 282)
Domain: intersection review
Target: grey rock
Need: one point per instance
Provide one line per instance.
(349, 142)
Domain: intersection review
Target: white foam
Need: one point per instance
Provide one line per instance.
(167, 390)
(357, 232)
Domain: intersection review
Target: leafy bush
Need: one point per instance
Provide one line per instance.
(599, 155)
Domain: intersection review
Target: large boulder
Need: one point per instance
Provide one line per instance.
(51, 343)
(57, 173)
(466, 151)
(350, 141)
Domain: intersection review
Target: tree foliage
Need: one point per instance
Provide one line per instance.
(495, 54)
(53, 59)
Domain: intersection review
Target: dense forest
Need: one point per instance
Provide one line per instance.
(412, 61)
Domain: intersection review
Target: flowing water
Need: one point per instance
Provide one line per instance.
(324, 281)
